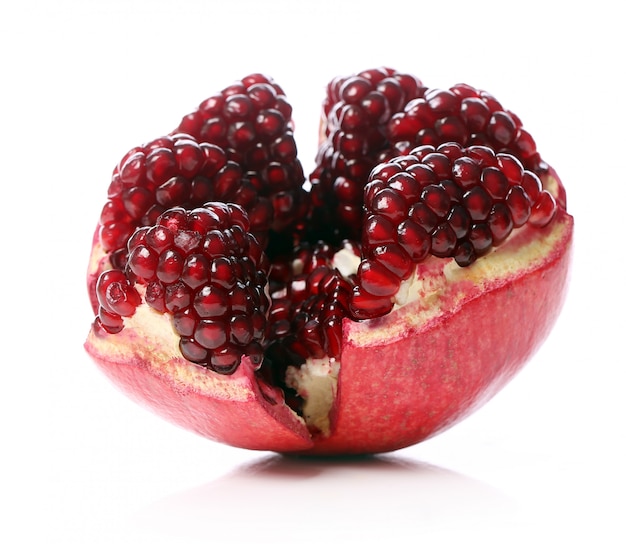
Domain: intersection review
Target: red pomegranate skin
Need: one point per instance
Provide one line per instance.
(251, 421)
(392, 393)
(424, 382)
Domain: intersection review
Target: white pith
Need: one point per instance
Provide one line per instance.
(316, 383)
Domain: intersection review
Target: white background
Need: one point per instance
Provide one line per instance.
(82, 82)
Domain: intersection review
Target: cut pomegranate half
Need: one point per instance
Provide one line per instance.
(261, 335)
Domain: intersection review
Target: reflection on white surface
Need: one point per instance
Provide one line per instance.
(372, 499)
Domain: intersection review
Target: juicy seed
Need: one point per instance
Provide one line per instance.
(212, 282)
(470, 201)
(117, 298)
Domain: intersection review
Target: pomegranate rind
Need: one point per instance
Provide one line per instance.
(423, 379)
(233, 409)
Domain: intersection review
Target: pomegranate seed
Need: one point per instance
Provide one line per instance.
(501, 128)
(465, 253)
(437, 199)
(389, 203)
(189, 157)
(364, 305)
(211, 301)
(176, 189)
(110, 322)
(121, 298)
(192, 351)
(478, 203)
(480, 237)
(475, 114)
(376, 280)
(532, 186)
(143, 261)
(500, 223)
(394, 259)
(543, 210)
(451, 129)
(423, 216)
(210, 334)
(378, 230)
(518, 203)
(160, 165)
(177, 297)
(511, 167)
(225, 360)
(414, 240)
(442, 102)
(170, 266)
(155, 296)
(184, 322)
(443, 241)
(495, 182)
(459, 220)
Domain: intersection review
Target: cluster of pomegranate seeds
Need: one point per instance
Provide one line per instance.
(464, 115)
(117, 298)
(204, 268)
(212, 224)
(174, 170)
(310, 298)
(251, 120)
(357, 110)
(447, 201)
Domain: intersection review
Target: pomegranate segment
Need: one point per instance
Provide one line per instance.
(251, 120)
(446, 201)
(356, 111)
(363, 316)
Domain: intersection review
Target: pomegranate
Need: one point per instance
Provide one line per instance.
(423, 268)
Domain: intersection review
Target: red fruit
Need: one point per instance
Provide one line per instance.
(293, 343)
